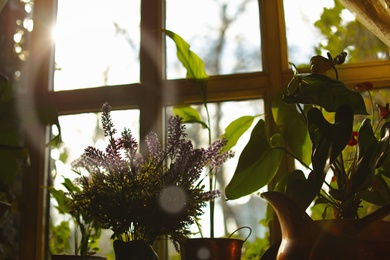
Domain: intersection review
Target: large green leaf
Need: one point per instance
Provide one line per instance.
(257, 165)
(371, 152)
(323, 91)
(236, 129)
(193, 64)
(293, 129)
(189, 114)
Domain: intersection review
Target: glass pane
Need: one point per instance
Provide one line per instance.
(79, 132)
(226, 36)
(316, 27)
(246, 211)
(97, 43)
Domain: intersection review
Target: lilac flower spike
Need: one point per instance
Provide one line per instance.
(132, 196)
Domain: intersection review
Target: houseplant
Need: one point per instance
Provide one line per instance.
(139, 199)
(86, 231)
(356, 161)
(217, 248)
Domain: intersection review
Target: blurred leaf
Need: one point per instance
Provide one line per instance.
(257, 165)
(189, 114)
(11, 163)
(68, 184)
(193, 64)
(236, 129)
(62, 200)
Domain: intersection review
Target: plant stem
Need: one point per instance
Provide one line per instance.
(212, 205)
(293, 156)
(203, 89)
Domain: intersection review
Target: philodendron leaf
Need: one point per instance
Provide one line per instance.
(235, 130)
(193, 64)
(372, 154)
(189, 114)
(257, 165)
(293, 128)
(323, 91)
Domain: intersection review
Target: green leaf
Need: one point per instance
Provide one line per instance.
(62, 200)
(371, 153)
(380, 194)
(293, 128)
(323, 91)
(189, 114)
(193, 64)
(68, 184)
(257, 165)
(235, 130)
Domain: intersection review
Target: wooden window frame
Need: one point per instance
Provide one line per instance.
(147, 95)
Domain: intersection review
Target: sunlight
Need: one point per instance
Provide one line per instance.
(90, 45)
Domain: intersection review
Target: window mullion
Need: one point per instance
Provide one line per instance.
(151, 62)
(33, 222)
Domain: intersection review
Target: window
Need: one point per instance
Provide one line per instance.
(145, 80)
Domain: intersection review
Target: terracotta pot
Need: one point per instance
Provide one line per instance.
(77, 257)
(134, 250)
(303, 238)
(212, 248)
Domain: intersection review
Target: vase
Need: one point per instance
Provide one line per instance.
(212, 248)
(304, 238)
(134, 250)
(77, 257)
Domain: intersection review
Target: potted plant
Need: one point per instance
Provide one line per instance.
(144, 197)
(349, 165)
(86, 231)
(212, 247)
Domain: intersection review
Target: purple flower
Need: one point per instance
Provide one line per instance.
(154, 147)
(214, 155)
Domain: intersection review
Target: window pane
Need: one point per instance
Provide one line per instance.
(225, 34)
(79, 132)
(246, 211)
(97, 43)
(316, 27)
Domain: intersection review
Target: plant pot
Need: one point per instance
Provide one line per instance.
(77, 257)
(134, 250)
(303, 238)
(212, 248)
